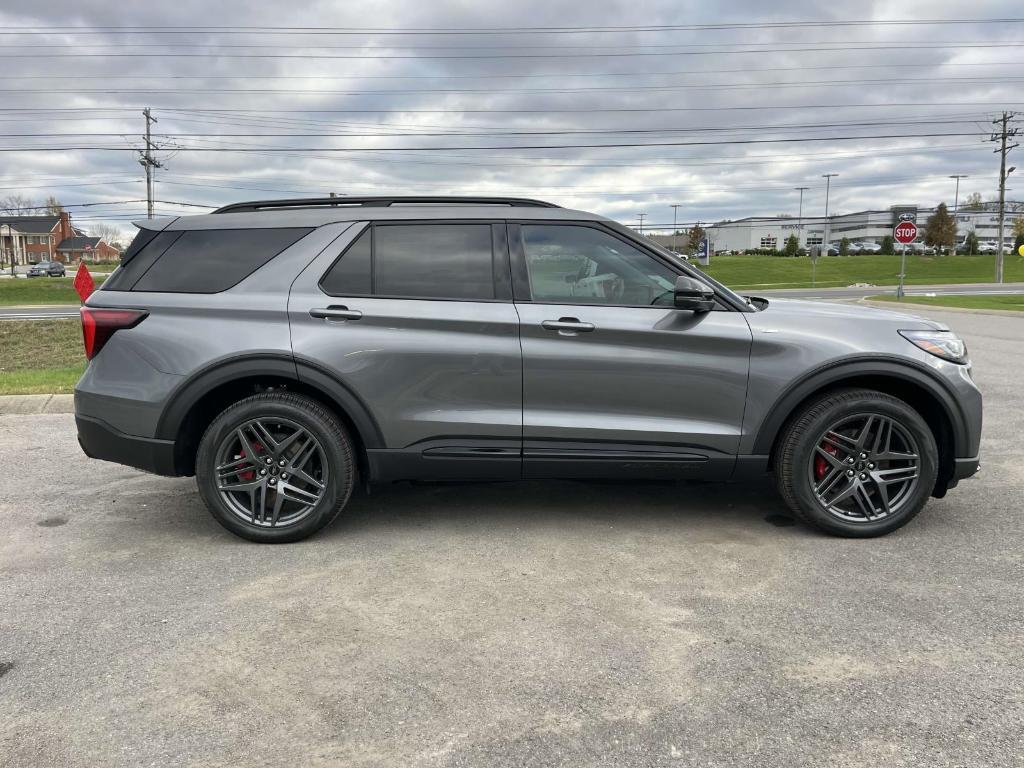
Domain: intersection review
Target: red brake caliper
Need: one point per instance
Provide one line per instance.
(249, 474)
(820, 463)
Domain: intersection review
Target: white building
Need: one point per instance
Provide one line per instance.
(771, 232)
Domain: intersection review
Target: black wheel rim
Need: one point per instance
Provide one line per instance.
(271, 472)
(864, 468)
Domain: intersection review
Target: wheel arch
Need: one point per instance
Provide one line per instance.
(196, 402)
(922, 391)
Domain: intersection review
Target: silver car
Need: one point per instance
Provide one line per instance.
(287, 352)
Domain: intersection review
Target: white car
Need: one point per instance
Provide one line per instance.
(870, 247)
(988, 246)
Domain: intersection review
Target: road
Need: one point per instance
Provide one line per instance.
(532, 624)
(825, 294)
(833, 294)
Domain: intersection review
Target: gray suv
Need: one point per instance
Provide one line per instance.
(285, 351)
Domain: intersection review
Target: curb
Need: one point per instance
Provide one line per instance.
(23, 405)
(909, 306)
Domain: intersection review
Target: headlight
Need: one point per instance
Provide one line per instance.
(944, 344)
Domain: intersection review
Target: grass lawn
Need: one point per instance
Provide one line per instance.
(40, 356)
(1008, 301)
(751, 272)
(39, 290)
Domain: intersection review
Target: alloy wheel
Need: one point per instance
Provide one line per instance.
(864, 468)
(271, 472)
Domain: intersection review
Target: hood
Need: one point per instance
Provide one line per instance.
(855, 313)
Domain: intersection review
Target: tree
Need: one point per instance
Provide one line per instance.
(972, 202)
(792, 246)
(697, 233)
(53, 206)
(844, 247)
(16, 205)
(888, 244)
(110, 234)
(971, 243)
(940, 228)
(1018, 226)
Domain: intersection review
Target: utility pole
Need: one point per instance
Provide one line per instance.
(641, 217)
(828, 224)
(800, 216)
(675, 239)
(1005, 133)
(148, 162)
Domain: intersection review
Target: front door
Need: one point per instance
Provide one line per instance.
(615, 379)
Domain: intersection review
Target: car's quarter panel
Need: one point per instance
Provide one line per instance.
(801, 346)
(138, 372)
(442, 379)
(647, 379)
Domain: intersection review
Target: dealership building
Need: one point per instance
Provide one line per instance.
(757, 232)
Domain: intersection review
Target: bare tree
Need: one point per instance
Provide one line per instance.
(53, 206)
(17, 205)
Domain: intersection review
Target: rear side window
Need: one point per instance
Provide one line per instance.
(202, 260)
(429, 261)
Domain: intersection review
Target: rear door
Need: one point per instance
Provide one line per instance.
(416, 319)
(616, 380)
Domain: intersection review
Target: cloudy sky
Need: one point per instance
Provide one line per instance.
(721, 109)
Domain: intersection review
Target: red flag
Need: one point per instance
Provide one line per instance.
(83, 283)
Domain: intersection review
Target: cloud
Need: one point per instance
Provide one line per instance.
(691, 95)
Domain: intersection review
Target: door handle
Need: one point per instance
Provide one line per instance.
(335, 313)
(567, 326)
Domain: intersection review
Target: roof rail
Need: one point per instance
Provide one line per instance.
(375, 202)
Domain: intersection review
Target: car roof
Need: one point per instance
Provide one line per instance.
(317, 213)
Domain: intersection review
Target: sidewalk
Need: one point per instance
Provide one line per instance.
(28, 404)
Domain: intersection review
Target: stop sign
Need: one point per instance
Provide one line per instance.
(905, 232)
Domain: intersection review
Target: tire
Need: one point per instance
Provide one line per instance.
(253, 445)
(887, 488)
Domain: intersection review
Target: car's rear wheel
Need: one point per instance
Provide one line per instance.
(275, 467)
(857, 463)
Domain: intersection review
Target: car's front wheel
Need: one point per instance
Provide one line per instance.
(857, 463)
(275, 467)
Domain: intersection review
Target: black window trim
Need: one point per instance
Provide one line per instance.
(521, 276)
(500, 260)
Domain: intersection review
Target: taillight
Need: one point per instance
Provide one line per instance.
(98, 325)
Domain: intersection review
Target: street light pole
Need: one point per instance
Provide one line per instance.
(956, 204)
(800, 215)
(675, 238)
(641, 215)
(828, 225)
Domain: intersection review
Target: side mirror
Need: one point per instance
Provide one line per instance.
(693, 295)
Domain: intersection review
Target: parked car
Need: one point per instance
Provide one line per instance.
(921, 248)
(988, 247)
(869, 247)
(46, 269)
(832, 250)
(286, 352)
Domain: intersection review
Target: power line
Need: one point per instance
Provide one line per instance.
(321, 30)
(507, 146)
(308, 56)
(909, 81)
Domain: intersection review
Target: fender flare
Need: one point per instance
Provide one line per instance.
(836, 372)
(282, 366)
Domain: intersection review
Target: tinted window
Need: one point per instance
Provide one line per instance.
(212, 260)
(445, 261)
(134, 266)
(350, 275)
(582, 265)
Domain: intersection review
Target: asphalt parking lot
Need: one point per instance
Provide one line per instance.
(535, 624)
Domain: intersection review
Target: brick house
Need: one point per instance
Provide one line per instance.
(49, 238)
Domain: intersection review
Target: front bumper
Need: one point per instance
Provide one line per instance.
(99, 440)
